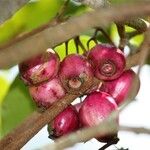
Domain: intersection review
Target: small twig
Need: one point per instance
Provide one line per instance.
(132, 34)
(66, 47)
(76, 45)
(114, 141)
(88, 133)
(60, 15)
(95, 131)
(19, 50)
(122, 34)
(106, 35)
(19, 139)
(47, 116)
(137, 130)
(83, 135)
(145, 47)
(93, 38)
(79, 43)
(26, 135)
(137, 24)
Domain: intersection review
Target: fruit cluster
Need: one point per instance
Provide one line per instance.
(49, 80)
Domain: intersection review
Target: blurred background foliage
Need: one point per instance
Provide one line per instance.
(15, 102)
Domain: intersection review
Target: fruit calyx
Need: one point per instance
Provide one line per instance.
(75, 82)
(108, 69)
(108, 61)
(76, 74)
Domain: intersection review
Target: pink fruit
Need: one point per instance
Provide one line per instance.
(108, 61)
(120, 87)
(75, 73)
(41, 68)
(97, 107)
(47, 93)
(67, 121)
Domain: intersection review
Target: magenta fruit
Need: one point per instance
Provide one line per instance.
(47, 93)
(120, 87)
(75, 73)
(97, 107)
(41, 68)
(66, 122)
(108, 61)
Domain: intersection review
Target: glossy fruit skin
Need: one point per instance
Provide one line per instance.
(47, 93)
(120, 87)
(97, 107)
(66, 122)
(41, 68)
(108, 61)
(75, 73)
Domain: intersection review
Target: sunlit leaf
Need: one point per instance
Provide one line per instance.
(61, 49)
(32, 15)
(129, 29)
(137, 40)
(4, 85)
(114, 34)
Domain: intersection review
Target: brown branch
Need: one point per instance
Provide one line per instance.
(106, 35)
(104, 128)
(26, 132)
(114, 141)
(133, 60)
(9, 7)
(137, 130)
(142, 54)
(89, 133)
(19, 140)
(16, 140)
(122, 35)
(50, 37)
(83, 135)
(137, 24)
(145, 47)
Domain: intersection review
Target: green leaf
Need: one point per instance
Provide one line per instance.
(31, 16)
(129, 29)
(16, 106)
(76, 9)
(137, 40)
(37, 13)
(34, 14)
(114, 34)
(61, 49)
(4, 85)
